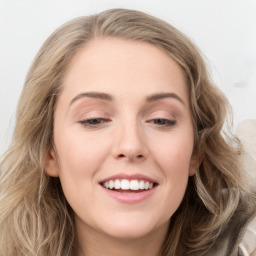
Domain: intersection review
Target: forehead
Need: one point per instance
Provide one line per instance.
(123, 67)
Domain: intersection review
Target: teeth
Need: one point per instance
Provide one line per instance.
(111, 184)
(128, 185)
(141, 184)
(117, 184)
(134, 185)
(125, 184)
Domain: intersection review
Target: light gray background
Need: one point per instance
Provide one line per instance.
(225, 30)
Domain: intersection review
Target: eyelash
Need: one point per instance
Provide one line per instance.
(97, 121)
(94, 122)
(162, 122)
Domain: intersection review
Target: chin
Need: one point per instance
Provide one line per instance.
(131, 229)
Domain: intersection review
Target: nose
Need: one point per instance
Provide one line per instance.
(130, 144)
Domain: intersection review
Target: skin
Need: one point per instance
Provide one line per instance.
(130, 134)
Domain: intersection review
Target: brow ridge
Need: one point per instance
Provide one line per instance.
(94, 95)
(108, 97)
(160, 96)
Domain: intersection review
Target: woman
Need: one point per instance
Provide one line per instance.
(119, 149)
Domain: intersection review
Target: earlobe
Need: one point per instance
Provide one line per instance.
(51, 164)
(195, 162)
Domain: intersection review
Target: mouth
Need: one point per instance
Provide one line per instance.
(128, 186)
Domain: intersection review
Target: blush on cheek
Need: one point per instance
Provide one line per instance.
(80, 157)
(174, 157)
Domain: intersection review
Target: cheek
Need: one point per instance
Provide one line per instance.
(80, 159)
(80, 154)
(173, 156)
(173, 153)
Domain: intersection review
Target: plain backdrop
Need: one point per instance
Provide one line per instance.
(225, 31)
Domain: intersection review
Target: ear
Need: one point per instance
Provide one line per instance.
(51, 164)
(194, 164)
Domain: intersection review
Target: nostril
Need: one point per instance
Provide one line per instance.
(122, 155)
(131, 156)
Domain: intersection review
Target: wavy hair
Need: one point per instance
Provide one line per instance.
(35, 218)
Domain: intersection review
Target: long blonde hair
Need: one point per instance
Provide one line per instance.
(35, 218)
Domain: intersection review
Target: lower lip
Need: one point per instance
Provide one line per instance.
(130, 197)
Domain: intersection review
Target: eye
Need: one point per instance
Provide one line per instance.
(162, 122)
(94, 122)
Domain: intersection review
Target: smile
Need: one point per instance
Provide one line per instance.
(129, 189)
(126, 185)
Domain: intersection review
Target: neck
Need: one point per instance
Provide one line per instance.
(93, 243)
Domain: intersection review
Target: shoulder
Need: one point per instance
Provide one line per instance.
(239, 237)
(248, 243)
(246, 131)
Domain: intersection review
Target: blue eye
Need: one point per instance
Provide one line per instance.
(162, 122)
(93, 122)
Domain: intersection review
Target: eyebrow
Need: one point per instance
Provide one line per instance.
(108, 97)
(164, 95)
(94, 95)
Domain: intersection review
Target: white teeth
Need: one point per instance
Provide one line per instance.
(111, 184)
(146, 186)
(125, 184)
(134, 185)
(128, 185)
(141, 184)
(117, 184)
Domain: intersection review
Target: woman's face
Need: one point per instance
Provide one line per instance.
(124, 138)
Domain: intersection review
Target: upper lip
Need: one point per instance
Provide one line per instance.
(128, 177)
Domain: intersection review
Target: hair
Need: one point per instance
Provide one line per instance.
(35, 218)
